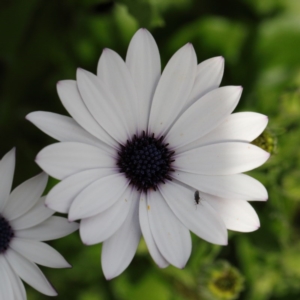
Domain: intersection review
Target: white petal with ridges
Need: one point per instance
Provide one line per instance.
(64, 129)
(173, 90)
(204, 115)
(102, 226)
(105, 108)
(51, 229)
(147, 234)
(25, 196)
(221, 159)
(19, 292)
(236, 214)
(37, 214)
(98, 196)
(6, 286)
(39, 253)
(63, 159)
(114, 73)
(143, 62)
(118, 251)
(63, 194)
(238, 186)
(72, 101)
(30, 273)
(7, 169)
(208, 78)
(200, 219)
(171, 236)
(238, 127)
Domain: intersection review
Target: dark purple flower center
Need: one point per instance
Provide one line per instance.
(146, 161)
(6, 234)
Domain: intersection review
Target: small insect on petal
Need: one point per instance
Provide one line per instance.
(197, 198)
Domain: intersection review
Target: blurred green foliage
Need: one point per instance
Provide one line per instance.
(43, 42)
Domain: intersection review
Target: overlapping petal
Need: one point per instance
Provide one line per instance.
(98, 196)
(51, 229)
(204, 115)
(147, 234)
(36, 215)
(238, 186)
(64, 159)
(143, 62)
(25, 196)
(113, 72)
(72, 101)
(238, 127)
(208, 77)
(104, 107)
(173, 90)
(16, 283)
(30, 273)
(61, 197)
(221, 159)
(170, 235)
(64, 129)
(98, 228)
(118, 251)
(236, 214)
(200, 219)
(39, 252)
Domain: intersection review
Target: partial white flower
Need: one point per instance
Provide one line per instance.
(140, 144)
(25, 222)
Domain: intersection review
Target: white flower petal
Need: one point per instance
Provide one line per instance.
(72, 101)
(221, 159)
(171, 236)
(238, 127)
(200, 219)
(114, 73)
(105, 108)
(39, 253)
(208, 78)
(173, 90)
(51, 229)
(98, 196)
(30, 273)
(19, 292)
(100, 227)
(63, 194)
(6, 285)
(25, 196)
(37, 214)
(204, 115)
(64, 129)
(238, 186)
(147, 234)
(118, 251)
(63, 159)
(237, 215)
(7, 168)
(143, 62)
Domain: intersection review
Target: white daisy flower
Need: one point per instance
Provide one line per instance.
(139, 146)
(25, 222)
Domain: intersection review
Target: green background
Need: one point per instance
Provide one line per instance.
(42, 42)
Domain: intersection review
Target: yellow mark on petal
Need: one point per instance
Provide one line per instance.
(148, 207)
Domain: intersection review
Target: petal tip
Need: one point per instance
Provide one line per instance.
(28, 116)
